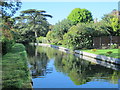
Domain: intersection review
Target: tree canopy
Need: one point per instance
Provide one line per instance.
(32, 23)
(9, 8)
(80, 15)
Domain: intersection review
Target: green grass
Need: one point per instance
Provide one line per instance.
(115, 52)
(15, 72)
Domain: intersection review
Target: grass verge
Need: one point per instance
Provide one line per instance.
(15, 71)
(115, 53)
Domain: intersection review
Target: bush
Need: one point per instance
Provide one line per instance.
(114, 46)
(60, 42)
(42, 39)
(109, 52)
(94, 50)
(6, 45)
(78, 37)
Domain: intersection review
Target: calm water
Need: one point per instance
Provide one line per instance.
(51, 68)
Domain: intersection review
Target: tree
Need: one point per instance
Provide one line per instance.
(111, 21)
(25, 29)
(61, 28)
(79, 36)
(110, 24)
(9, 8)
(80, 15)
(35, 17)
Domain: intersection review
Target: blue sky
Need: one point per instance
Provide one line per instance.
(60, 10)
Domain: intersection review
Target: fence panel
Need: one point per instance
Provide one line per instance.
(105, 41)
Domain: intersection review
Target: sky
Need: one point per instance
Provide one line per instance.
(60, 10)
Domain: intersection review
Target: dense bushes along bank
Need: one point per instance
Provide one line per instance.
(15, 71)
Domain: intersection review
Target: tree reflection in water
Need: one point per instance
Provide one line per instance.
(38, 62)
(80, 71)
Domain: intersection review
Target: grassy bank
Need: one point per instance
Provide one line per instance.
(15, 72)
(115, 53)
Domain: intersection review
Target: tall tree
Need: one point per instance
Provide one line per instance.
(80, 15)
(35, 17)
(24, 26)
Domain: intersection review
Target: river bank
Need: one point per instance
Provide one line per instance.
(15, 71)
(99, 57)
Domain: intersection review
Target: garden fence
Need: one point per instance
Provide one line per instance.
(105, 41)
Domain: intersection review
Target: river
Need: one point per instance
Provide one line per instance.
(52, 68)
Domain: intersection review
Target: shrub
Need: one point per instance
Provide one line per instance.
(60, 42)
(94, 50)
(78, 36)
(114, 46)
(109, 52)
(6, 45)
(42, 39)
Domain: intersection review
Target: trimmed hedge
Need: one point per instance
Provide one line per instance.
(15, 71)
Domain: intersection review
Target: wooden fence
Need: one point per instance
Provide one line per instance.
(105, 41)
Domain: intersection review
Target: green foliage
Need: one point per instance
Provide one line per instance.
(31, 24)
(9, 8)
(111, 24)
(78, 36)
(42, 39)
(36, 21)
(6, 45)
(113, 46)
(62, 26)
(15, 72)
(51, 37)
(80, 15)
(58, 31)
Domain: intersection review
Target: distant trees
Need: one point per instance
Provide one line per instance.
(58, 30)
(111, 22)
(78, 36)
(78, 30)
(80, 16)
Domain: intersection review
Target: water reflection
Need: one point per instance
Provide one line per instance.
(38, 62)
(80, 71)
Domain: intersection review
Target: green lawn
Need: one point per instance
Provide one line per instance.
(115, 52)
(15, 72)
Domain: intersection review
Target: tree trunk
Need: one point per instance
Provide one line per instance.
(111, 41)
(100, 43)
(36, 37)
